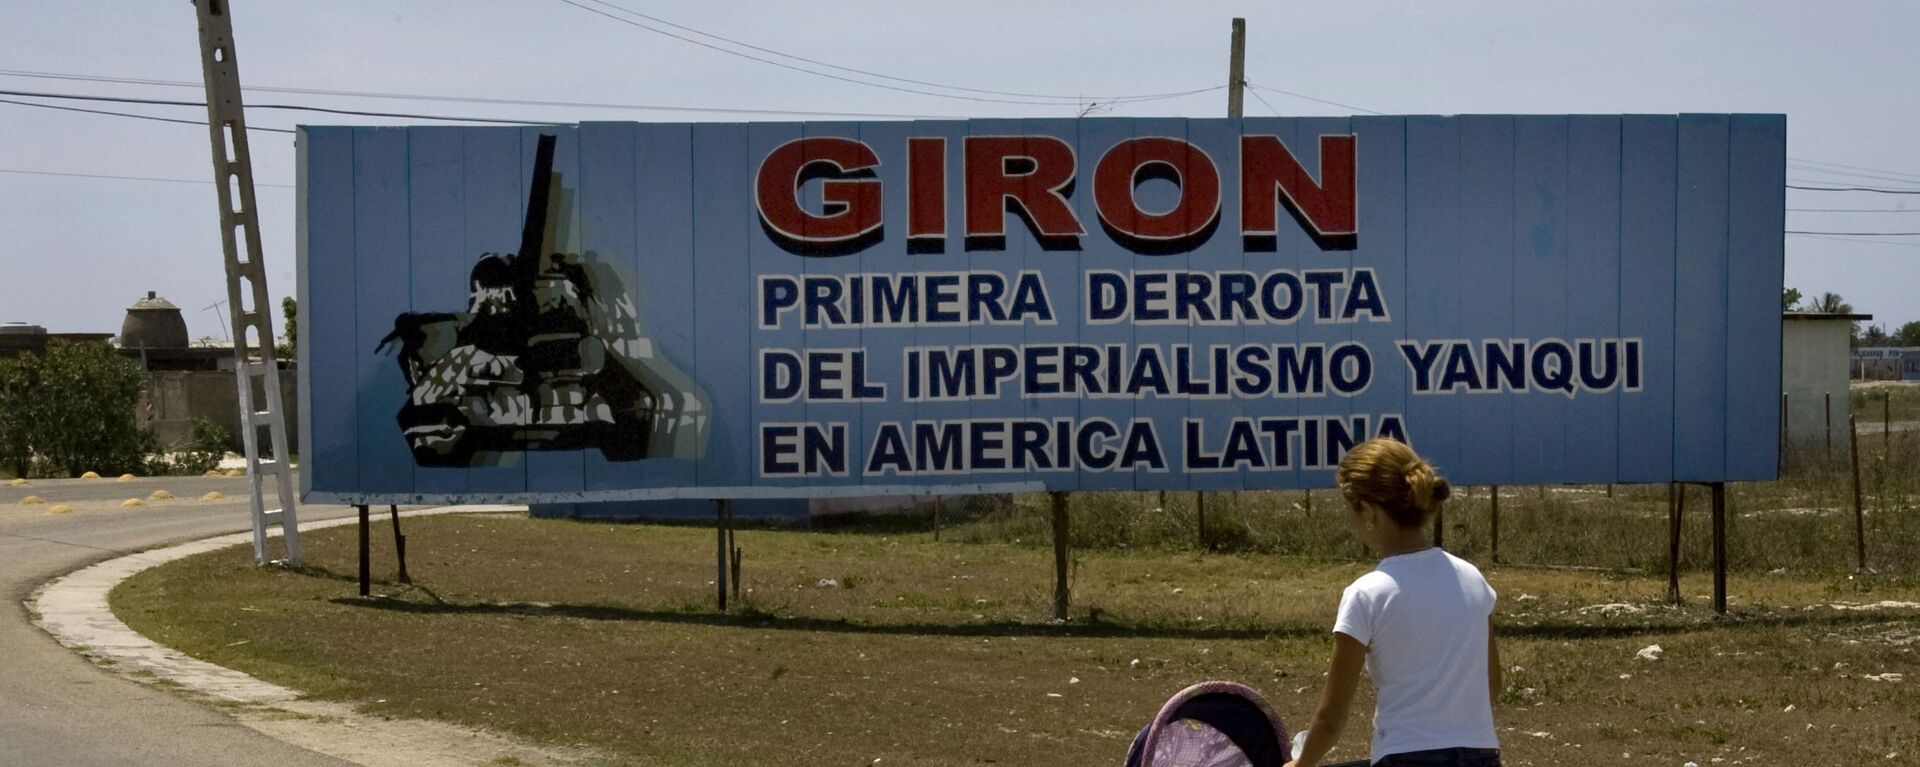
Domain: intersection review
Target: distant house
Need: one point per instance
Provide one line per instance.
(1881, 363)
(186, 380)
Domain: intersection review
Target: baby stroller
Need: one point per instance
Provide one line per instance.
(1214, 724)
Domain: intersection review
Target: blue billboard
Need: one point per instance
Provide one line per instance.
(620, 311)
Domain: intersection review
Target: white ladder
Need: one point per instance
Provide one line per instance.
(253, 354)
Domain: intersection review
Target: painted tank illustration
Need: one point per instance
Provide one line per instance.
(549, 355)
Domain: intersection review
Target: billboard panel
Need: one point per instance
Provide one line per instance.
(622, 310)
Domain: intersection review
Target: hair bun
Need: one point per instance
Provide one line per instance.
(1427, 488)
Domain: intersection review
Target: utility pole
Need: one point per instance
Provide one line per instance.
(1237, 69)
(263, 425)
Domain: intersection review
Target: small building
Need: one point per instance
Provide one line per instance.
(1815, 360)
(1880, 363)
(1910, 365)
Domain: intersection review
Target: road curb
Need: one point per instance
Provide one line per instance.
(73, 609)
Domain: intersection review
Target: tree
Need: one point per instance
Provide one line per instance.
(291, 310)
(1876, 335)
(1830, 303)
(1789, 298)
(85, 398)
(1909, 334)
(16, 414)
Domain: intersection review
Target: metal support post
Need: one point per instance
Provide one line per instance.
(1720, 547)
(399, 543)
(1859, 511)
(366, 559)
(1060, 532)
(1237, 69)
(1494, 491)
(1676, 506)
(720, 551)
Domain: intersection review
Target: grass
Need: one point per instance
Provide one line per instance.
(942, 653)
(1894, 400)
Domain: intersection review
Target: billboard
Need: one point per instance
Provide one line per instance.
(616, 311)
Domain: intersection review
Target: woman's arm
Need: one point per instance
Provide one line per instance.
(1349, 656)
(1493, 666)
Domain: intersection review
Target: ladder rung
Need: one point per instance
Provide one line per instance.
(258, 368)
(263, 418)
(272, 516)
(269, 467)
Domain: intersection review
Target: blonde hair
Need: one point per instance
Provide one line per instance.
(1388, 474)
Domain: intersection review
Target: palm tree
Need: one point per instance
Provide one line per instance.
(1830, 303)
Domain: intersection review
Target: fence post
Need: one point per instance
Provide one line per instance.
(1829, 415)
(1886, 425)
(1676, 505)
(1495, 490)
(1784, 432)
(1060, 531)
(1720, 547)
(938, 502)
(1200, 518)
(1859, 515)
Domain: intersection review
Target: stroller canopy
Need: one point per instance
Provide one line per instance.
(1212, 724)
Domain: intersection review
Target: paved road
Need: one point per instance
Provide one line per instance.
(58, 709)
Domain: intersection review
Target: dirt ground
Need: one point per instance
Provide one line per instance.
(896, 649)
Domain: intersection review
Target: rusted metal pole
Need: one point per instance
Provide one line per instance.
(399, 543)
(1676, 506)
(366, 561)
(1060, 531)
(1720, 547)
(1859, 513)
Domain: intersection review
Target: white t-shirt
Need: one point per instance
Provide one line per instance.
(1423, 618)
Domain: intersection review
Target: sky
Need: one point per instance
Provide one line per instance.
(76, 250)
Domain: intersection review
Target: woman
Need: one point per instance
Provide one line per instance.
(1421, 623)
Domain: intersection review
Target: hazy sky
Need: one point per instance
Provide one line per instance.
(74, 252)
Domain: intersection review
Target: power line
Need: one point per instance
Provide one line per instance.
(1853, 210)
(842, 78)
(155, 118)
(1263, 100)
(467, 99)
(289, 107)
(1806, 161)
(1856, 234)
(1306, 97)
(1859, 241)
(126, 178)
(1069, 99)
(1874, 189)
(1804, 168)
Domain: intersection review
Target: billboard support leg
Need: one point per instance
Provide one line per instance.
(733, 552)
(1494, 494)
(1200, 518)
(720, 549)
(399, 543)
(1676, 505)
(1720, 547)
(366, 565)
(1060, 531)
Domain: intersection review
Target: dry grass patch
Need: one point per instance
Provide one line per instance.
(941, 653)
